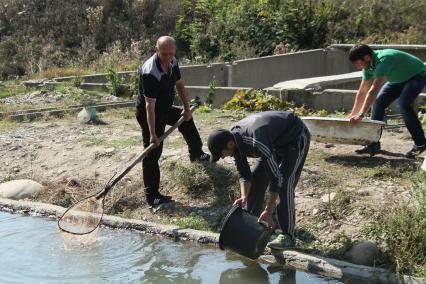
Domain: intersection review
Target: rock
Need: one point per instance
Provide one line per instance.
(325, 197)
(73, 181)
(19, 189)
(83, 116)
(424, 165)
(315, 211)
(329, 145)
(364, 253)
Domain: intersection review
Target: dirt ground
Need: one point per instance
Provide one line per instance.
(337, 194)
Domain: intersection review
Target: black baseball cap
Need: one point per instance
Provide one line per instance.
(217, 142)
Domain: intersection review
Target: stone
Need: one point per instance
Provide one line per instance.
(424, 165)
(83, 116)
(364, 253)
(86, 115)
(325, 197)
(20, 189)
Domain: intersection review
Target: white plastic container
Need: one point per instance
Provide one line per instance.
(340, 131)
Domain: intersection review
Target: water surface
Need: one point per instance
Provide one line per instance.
(33, 251)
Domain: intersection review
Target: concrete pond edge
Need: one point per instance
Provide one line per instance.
(323, 266)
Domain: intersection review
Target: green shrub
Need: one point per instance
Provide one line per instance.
(254, 100)
(117, 87)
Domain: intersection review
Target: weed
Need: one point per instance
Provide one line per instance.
(205, 108)
(126, 214)
(53, 72)
(127, 114)
(117, 87)
(400, 228)
(196, 102)
(192, 221)
(76, 81)
(340, 206)
(125, 142)
(212, 88)
(119, 143)
(8, 125)
(8, 178)
(193, 178)
(96, 141)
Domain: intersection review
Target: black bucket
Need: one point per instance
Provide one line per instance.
(242, 233)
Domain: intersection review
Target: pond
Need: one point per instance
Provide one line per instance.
(33, 251)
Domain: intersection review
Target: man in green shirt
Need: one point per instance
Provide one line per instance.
(388, 75)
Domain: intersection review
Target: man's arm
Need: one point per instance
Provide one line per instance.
(243, 169)
(360, 96)
(150, 117)
(369, 99)
(180, 86)
(245, 190)
(266, 215)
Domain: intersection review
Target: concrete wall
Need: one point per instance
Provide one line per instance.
(220, 95)
(266, 71)
(203, 75)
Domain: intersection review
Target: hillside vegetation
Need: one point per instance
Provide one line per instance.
(54, 38)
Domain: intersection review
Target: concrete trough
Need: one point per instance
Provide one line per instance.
(340, 131)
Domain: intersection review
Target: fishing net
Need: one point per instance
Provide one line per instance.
(83, 217)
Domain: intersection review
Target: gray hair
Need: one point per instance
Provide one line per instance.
(165, 41)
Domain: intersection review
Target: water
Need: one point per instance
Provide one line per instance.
(33, 251)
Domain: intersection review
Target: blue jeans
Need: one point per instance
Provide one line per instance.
(407, 92)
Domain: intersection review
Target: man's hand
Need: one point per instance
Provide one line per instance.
(266, 217)
(187, 115)
(355, 118)
(154, 140)
(241, 202)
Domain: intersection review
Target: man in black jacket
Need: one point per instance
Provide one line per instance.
(158, 77)
(280, 141)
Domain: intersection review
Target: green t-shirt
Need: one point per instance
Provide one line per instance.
(396, 66)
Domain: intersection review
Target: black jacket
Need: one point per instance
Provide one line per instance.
(265, 135)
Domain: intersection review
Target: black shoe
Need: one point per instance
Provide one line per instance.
(202, 158)
(415, 151)
(158, 200)
(371, 149)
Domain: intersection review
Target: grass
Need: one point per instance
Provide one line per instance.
(125, 142)
(97, 141)
(8, 178)
(9, 89)
(340, 206)
(202, 179)
(400, 229)
(125, 113)
(8, 125)
(192, 221)
(119, 143)
(60, 72)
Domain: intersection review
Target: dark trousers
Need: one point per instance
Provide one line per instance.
(291, 160)
(407, 92)
(150, 166)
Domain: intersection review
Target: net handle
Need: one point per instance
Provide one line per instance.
(113, 180)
